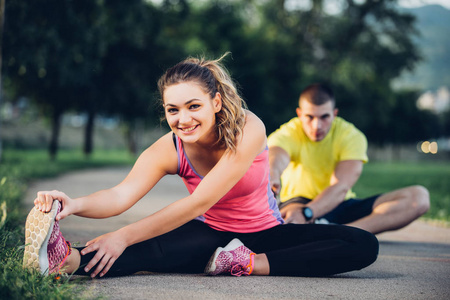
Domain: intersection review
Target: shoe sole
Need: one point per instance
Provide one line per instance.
(211, 266)
(38, 229)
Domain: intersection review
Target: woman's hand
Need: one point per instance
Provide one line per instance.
(292, 213)
(44, 202)
(109, 247)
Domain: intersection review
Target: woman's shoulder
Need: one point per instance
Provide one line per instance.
(165, 141)
(254, 121)
(163, 153)
(254, 130)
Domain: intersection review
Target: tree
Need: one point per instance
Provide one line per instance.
(358, 51)
(145, 38)
(104, 57)
(52, 57)
(123, 85)
(365, 48)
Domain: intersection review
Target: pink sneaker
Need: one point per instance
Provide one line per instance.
(46, 250)
(235, 259)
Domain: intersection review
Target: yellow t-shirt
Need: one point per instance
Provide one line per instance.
(313, 163)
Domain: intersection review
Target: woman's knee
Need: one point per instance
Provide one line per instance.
(371, 247)
(365, 247)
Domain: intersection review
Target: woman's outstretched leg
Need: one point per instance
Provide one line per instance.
(314, 250)
(183, 250)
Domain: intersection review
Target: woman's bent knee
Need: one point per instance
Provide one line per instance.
(366, 247)
(372, 248)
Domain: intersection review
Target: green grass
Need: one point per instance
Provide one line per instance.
(17, 168)
(17, 283)
(380, 177)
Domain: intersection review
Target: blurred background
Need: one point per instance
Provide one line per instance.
(79, 77)
(78, 88)
(82, 74)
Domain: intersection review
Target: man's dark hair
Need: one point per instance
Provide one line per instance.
(317, 94)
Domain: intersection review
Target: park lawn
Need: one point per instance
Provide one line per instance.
(380, 177)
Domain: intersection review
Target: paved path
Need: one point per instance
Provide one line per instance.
(414, 263)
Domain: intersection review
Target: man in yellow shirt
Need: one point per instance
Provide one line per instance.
(317, 157)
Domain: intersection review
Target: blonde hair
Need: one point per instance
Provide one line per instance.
(213, 78)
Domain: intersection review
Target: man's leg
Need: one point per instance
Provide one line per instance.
(395, 210)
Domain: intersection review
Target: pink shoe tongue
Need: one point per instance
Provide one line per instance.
(57, 248)
(56, 233)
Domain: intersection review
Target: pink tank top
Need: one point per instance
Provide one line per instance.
(248, 207)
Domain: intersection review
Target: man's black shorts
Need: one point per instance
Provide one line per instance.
(348, 211)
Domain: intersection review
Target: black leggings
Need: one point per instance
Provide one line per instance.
(292, 250)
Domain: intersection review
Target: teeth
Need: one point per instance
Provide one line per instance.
(188, 129)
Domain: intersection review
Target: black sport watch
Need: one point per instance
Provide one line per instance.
(307, 213)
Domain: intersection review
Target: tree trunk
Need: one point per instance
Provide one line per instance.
(130, 137)
(56, 128)
(133, 132)
(89, 135)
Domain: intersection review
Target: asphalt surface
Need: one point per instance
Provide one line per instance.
(414, 262)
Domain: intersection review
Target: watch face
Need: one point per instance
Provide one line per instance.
(308, 213)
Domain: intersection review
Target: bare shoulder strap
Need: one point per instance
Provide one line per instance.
(174, 140)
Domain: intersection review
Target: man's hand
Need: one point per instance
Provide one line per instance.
(275, 185)
(292, 213)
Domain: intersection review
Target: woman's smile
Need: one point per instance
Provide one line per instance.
(188, 129)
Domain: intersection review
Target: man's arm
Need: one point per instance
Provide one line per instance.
(278, 161)
(345, 175)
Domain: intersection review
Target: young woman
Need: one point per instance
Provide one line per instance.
(219, 149)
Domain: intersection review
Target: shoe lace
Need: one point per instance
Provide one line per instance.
(238, 269)
(59, 266)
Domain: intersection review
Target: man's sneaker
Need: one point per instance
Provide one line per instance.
(46, 250)
(235, 259)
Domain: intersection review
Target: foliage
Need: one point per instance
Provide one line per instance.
(419, 123)
(104, 57)
(53, 57)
